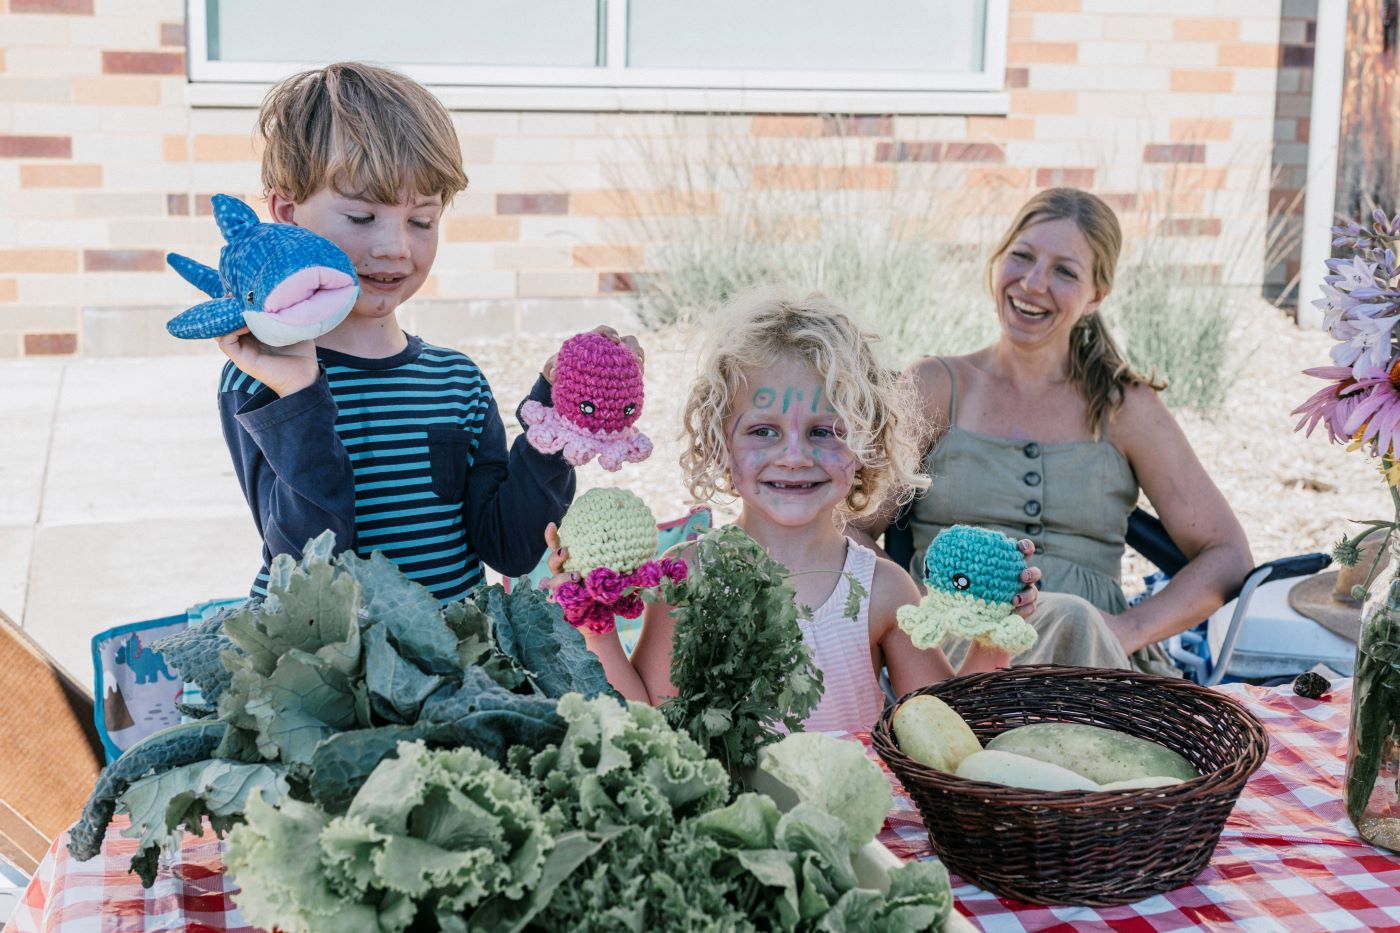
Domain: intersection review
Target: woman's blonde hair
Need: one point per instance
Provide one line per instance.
(1096, 364)
(361, 130)
(876, 408)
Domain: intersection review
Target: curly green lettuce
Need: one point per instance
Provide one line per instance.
(431, 833)
(621, 765)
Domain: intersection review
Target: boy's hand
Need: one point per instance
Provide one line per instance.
(629, 342)
(557, 556)
(1024, 601)
(284, 370)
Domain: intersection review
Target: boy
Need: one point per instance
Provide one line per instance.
(393, 444)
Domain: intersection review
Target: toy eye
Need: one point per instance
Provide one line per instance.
(628, 409)
(587, 408)
(251, 298)
(961, 581)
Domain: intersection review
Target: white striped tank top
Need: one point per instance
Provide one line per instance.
(851, 700)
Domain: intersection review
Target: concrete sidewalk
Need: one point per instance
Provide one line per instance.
(117, 497)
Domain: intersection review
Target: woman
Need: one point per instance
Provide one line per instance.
(1049, 434)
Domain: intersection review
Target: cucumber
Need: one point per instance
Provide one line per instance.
(1101, 755)
(1019, 771)
(1141, 783)
(932, 733)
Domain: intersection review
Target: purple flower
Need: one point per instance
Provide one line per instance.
(1361, 308)
(1375, 419)
(1330, 406)
(674, 568)
(570, 594)
(629, 606)
(605, 585)
(647, 575)
(598, 620)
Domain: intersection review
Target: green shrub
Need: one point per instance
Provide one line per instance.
(910, 259)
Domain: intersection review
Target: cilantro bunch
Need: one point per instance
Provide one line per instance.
(738, 662)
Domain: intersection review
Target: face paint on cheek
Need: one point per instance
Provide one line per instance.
(840, 461)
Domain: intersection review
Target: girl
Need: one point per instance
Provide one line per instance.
(793, 414)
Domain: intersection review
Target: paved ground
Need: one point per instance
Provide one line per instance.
(117, 497)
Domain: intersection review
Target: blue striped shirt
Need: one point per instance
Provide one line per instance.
(404, 455)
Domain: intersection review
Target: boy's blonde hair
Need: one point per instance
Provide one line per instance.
(876, 407)
(364, 131)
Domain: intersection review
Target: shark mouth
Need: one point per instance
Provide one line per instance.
(310, 295)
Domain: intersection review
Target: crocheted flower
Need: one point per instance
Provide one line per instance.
(597, 399)
(972, 575)
(604, 584)
(611, 538)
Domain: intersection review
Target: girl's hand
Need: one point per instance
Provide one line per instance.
(1024, 601)
(557, 556)
(284, 370)
(629, 342)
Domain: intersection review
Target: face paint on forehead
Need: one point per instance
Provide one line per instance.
(794, 396)
(763, 398)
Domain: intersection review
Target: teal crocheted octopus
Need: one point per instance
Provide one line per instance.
(972, 575)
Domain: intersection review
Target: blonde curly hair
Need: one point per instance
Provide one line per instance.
(877, 408)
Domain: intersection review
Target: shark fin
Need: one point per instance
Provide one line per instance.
(197, 274)
(233, 216)
(210, 319)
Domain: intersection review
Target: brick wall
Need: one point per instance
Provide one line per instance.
(1297, 33)
(104, 166)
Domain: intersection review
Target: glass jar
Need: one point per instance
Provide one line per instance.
(1372, 785)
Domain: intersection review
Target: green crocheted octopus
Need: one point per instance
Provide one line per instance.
(611, 538)
(972, 575)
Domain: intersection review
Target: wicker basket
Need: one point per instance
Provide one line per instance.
(1073, 847)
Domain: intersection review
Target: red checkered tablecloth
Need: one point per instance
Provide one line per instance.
(1287, 860)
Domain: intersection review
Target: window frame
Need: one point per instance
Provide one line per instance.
(615, 86)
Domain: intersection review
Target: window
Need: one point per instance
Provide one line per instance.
(774, 55)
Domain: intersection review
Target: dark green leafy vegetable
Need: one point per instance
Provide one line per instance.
(194, 654)
(164, 806)
(411, 617)
(738, 661)
(169, 748)
(485, 716)
(321, 680)
(531, 629)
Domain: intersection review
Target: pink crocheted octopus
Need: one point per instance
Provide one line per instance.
(597, 399)
(611, 538)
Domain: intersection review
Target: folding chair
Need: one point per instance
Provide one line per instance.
(1191, 650)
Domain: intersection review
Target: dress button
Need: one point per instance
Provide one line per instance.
(1034, 529)
(1032, 478)
(1032, 508)
(1032, 450)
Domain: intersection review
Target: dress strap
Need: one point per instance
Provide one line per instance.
(952, 402)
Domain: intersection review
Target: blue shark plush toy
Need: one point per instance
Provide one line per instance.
(284, 283)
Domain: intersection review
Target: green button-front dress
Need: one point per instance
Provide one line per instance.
(1072, 500)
